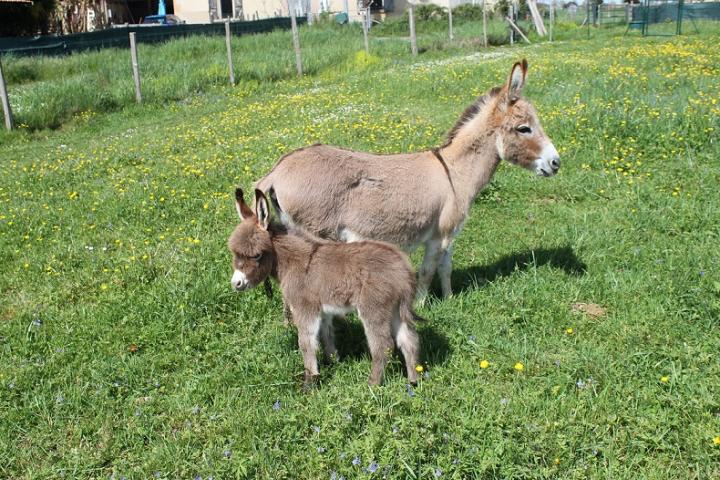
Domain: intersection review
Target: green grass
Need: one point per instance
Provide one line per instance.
(123, 350)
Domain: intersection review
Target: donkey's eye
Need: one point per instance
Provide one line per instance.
(523, 129)
(256, 258)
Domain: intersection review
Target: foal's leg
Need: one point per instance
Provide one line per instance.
(308, 326)
(406, 339)
(327, 337)
(428, 268)
(445, 271)
(377, 330)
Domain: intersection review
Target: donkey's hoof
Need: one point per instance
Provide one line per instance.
(375, 382)
(310, 382)
(332, 358)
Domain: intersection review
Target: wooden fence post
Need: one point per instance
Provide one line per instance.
(229, 52)
(484, 9)
(450, 19)
(366, 14)
(512, 24)
(413, 37)
(135, 67)
(296, 39)
(552, 19)
(5, 101)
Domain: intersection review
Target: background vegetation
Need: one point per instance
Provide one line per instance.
(582, 341)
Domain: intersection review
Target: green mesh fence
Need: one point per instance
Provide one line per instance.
(118, 36)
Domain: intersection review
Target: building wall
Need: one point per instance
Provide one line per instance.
(198, 11)
(193, 11)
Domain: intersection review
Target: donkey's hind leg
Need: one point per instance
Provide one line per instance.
(327, 337)
(380, 342)
(445, 271)
(428, 268)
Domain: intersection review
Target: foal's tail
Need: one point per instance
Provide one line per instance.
(407, 313)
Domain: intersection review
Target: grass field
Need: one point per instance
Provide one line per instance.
(582, 342)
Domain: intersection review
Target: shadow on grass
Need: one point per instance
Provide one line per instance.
(563, 258)
(352, 346)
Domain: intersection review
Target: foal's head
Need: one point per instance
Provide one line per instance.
(520, 138)
(251, 243)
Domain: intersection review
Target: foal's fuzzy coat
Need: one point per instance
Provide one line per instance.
(321, 278)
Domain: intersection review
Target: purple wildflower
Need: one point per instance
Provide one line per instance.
(197, 477)
(504, 401)
(195, 410)
(276, 405)
(410, 390)
(316, 428)
(321, 449)
(438, 473)
(227, 453)
(356, 461)
(372, 468)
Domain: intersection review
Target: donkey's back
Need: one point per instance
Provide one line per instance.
(393, 198)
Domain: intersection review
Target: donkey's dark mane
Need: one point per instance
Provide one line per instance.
(469, 113)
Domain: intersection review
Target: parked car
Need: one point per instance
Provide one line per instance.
(162, 20)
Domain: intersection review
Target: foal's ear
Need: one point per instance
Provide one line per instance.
(261, 209)
(516, 82)
(243, 210)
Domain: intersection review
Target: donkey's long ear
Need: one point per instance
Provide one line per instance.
(516, 82)
(243, 210)
(262, 212)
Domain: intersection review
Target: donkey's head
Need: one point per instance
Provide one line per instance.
(251, 243)
(520, 138)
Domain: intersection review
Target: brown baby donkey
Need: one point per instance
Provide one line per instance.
(322, 278)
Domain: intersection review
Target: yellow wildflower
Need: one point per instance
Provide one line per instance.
(484, 364)
(519, 366)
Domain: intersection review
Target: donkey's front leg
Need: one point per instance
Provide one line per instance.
(308, 328)
(445, 271)
(428, 268)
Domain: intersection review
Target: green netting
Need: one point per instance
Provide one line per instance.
(118, 36)
(663, 17)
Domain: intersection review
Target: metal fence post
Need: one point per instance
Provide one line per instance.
(5, 101)
(450, 19)
(229, 52)
(512, 16)
(135, 67)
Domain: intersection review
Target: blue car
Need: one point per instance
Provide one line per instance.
(162, 20)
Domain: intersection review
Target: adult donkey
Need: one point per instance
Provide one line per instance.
(418, 198)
